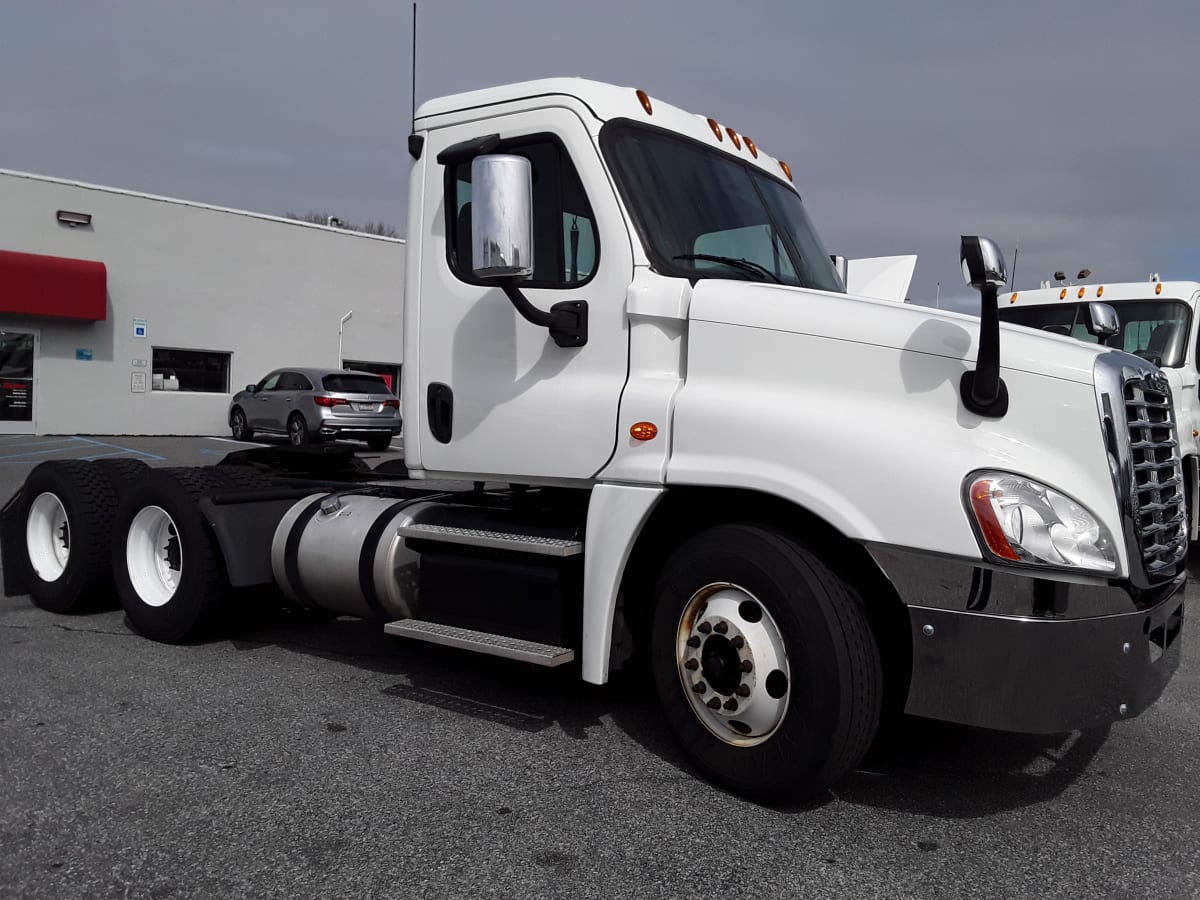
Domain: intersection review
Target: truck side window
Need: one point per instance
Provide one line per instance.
(565, 245)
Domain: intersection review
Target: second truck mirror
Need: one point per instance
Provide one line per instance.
(502, 216)
(1102, 321)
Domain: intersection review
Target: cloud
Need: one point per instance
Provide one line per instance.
(1061, 124)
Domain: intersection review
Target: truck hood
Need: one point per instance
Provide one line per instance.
(902, 326)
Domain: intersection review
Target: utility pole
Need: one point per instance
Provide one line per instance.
(346, 318)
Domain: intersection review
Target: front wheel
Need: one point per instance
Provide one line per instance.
(765, 663)
(238, 426)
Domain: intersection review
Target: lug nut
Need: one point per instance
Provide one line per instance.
(743, 690)
(693, 641)
(691, 665)
(704, 628)
(731, 704)
(714, 703)
(747, 666)
(738, 642)
(721, 627)
(699, 687)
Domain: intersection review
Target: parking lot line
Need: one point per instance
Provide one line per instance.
(8, 444)
(129, 450)
(23, 457)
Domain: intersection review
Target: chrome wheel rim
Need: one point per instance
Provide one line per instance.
(733, 664)
(239, 424)
(296, 432)
(48, 536)
(153, 556)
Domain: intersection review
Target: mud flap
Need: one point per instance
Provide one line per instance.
(13, 559)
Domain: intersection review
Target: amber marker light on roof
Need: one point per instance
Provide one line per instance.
(644, 99)
(1062, 295)
(733, 136)
(1100, 291)
(1158, 288)
(643, 431)
(716, 129)
(1012, 299)
(1081, 293)
(787, 170)
(750, 146)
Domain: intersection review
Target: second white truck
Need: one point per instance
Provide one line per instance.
(1155, 320)
(644, 420)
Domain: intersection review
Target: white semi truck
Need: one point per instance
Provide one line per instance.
(1155, 320)
(645, 421)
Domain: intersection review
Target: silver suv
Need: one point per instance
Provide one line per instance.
(313, 404)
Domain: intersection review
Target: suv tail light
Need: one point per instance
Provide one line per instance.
(394, 404)
(329, 401)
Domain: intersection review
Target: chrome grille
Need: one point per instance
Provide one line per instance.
(1156, 494)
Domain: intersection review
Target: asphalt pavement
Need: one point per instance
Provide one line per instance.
(299, 758)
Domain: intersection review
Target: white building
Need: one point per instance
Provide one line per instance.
(125, 313)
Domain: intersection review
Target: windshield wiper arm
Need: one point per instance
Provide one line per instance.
(744, 264)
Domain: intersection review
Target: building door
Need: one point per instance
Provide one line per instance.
(18, 358)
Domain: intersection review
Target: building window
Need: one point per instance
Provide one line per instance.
(389, 372)
(203, 371)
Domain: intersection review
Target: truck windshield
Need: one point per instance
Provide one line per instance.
(704, 214)
(1156, 330)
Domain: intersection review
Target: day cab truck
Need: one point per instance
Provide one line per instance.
(646, 423)
(1155, 320)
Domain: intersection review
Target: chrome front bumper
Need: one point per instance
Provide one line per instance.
(1006, 650)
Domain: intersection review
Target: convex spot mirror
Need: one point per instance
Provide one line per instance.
(1102, 321)
(982, 263)
(502, 216)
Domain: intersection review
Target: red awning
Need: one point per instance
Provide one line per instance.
(35, 285)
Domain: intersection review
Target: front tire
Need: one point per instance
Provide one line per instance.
(169, 573)
(765, 664)
(238, 427)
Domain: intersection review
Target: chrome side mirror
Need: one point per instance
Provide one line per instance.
(1103, 321)
(842, 266)
(982, 263)
(502, 216)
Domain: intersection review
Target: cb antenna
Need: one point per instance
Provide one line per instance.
(414, 68)
(415, 142)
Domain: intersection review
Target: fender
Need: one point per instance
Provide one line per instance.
(849, 408)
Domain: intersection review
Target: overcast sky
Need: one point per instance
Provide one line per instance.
(1069, 125)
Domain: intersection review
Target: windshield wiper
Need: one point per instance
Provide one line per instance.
(744, 265)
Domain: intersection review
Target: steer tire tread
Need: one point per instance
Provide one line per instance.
(836, 693)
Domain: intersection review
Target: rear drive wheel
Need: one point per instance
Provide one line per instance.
(298, 433)
(379, 441)
(238, 426)
(765, 664)
(67, 527)
(169, 573)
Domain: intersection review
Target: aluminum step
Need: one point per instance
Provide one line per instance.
(496, 540)
(481, 642)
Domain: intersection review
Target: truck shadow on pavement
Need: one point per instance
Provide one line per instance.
(925, 767)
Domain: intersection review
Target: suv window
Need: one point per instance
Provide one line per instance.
(293, 381)
(354, 384)
(270, 383)
(565, 245)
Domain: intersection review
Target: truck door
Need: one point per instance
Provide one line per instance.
(506, 400)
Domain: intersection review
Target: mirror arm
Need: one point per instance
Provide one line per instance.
(983, 391)
(567, 321)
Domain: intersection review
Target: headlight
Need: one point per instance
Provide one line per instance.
(1019, 520)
